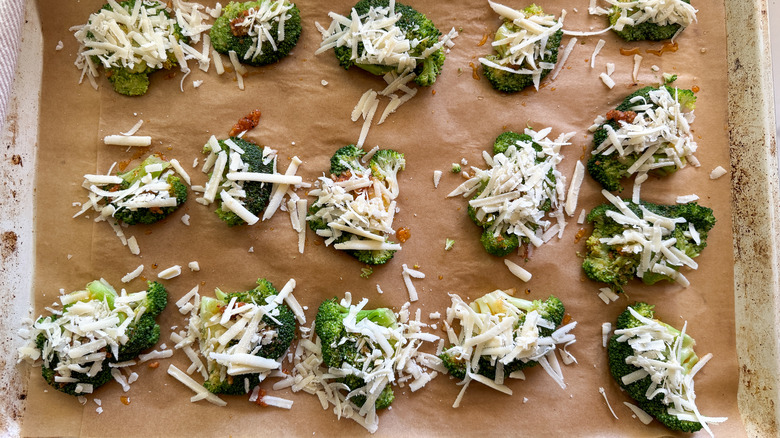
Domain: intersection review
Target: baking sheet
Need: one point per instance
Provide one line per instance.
(433, 130)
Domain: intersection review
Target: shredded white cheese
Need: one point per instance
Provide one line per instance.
(718, 172)
(128, 140)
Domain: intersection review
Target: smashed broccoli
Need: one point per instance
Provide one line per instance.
(257, 193)
(282, 325)
(340, 347)
(619, 352)
(239, 30)
(509, 82)
(345, 163)
(503, 243)
(53, 338)
(495, 303)
(609, 170)
(646, 30)
(129, 74)
(148, 215)
(616, 266)
(416, 27)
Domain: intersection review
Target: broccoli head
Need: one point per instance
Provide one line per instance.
(509, 82)
(346, 159)
(619, 353)
(616, 265)
(499, 245)
(416, 27)
(373, 257)
(500, 303)
(257, 193)
(609, 170)
(242, 28)
(131, 77)
(98, 300)
(647, 30)
(280, 324)
(340, 347)
(148, 215)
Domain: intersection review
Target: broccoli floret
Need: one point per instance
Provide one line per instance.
(134, 81)
(227, 35)
(383, 166)
(609, 170)
(513, 82)
(500, 245)
(386, 163)
(551, 309)
(257, 193)
(345, 159)
(612, 265)
(415, 26)
(510, 138)
(455, 168)
(141, 335)
(152, 214)
(646, 30)
(283, 324)
(329, 326)
(617, 353)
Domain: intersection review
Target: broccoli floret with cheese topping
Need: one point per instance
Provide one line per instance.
(616, 263)
(103, 40)
(624, 359)
(274, 333)
(516, 73)
(609, 167)
(251, 29)
(257, 194)
(131, 214)
(412, 26)
(93, 331)
(340, 347)
(504, 305)
(649, 28)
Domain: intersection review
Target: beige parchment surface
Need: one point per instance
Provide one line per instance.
(456, 118)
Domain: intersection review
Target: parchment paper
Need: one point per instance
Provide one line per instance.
(457, 118)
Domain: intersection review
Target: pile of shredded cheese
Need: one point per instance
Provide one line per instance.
(229, 172)
(650, 236)
(382, 43)
(660, 12)
(228, 341)
(659, 128)
(122, 38)
(517, 184)
(82, 336)
(658, 354)
(259, 22)
(525, 45)
(393, 358)
(490, 328)
(360, 205)
(151, 191)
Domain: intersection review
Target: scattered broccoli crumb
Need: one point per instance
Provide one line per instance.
(366, 272)
(455, 168)
(448, 244)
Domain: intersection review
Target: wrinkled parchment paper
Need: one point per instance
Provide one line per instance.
(456, 118)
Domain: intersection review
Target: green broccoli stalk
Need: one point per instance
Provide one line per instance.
(257, 193)
(129, 73)
(281, 324)
(53, 338)
(148, 215)
(620, 352)
(609, 169)
(238, 29)
(340, 347)
(416, 28)
(526, 74)
(500, 303)
(616, 265)
(644, 30)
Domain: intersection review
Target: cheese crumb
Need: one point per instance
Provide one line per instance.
(324, 82)
(186, 219)
(194, 266)
(607, 80)
(172, 272)
(197, 83)
(436, 178)
(251, 249)
(60, 46)
(718, 172)
(687, 199)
